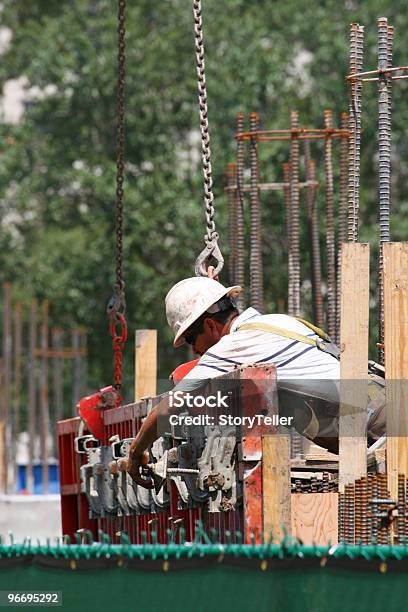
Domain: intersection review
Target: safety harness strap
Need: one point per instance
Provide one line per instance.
(324, 345)
(317, 330)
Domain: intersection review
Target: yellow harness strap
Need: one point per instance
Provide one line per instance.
(280, 332)
(322, 334)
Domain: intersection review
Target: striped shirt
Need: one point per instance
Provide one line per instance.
(292, 359)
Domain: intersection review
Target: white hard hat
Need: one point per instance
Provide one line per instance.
(190, 298)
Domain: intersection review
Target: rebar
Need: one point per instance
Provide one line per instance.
(370, 480)
(341, 519)
(273, 186)
(406, 508)
(390, 45)
(383, 494)
(374, 519)
(364, 511)
(330, 238)
(358, 512)
(358, 75)
(350, 513)
(356, 65)
(342, 219)
(315, 485)
(286, 195)
(314, 238)
(385, 41)
(302, 133)
(232, 221)
(294, 245)
(256, 268)
(401, 510)
(240, 262)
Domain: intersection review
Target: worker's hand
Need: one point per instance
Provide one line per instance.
(136, 466)
(210, 273)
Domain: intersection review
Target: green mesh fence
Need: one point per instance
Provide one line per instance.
(205, 575)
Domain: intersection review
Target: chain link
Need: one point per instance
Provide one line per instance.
(211, 236)
(117, 304)
(120, 143)
(205, 134)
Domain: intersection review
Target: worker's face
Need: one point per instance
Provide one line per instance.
(212, 332)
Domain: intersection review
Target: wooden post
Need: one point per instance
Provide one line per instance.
(44, 403)
(6, 388)
(276, 503)
(83, 344)
(3, 467)
(145, 363)
(57, 375)
(2, 440)
(18, 325)
(396, 360)
(32, 396)
(76, 387)
(355, 261)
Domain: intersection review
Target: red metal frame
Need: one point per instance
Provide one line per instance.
(74, 505)
(125, 421)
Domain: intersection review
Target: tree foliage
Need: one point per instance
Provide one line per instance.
(57, 176)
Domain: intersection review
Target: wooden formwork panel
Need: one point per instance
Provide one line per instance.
(315, 518)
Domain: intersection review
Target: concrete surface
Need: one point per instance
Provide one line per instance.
(37, 516)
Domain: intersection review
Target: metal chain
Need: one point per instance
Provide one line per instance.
(117, 304)
(211, 236)
(120, 142)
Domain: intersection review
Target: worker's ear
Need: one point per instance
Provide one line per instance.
(211, 329)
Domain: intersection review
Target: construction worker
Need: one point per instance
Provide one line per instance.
(203, 313)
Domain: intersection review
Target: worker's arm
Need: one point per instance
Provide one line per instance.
(145, 437)
(148, 432)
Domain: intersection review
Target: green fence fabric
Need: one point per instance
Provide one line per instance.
(215, 588)
(208, 576)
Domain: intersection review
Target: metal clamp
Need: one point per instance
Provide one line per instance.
(120, 448)
(210, 255)
(84, 443)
